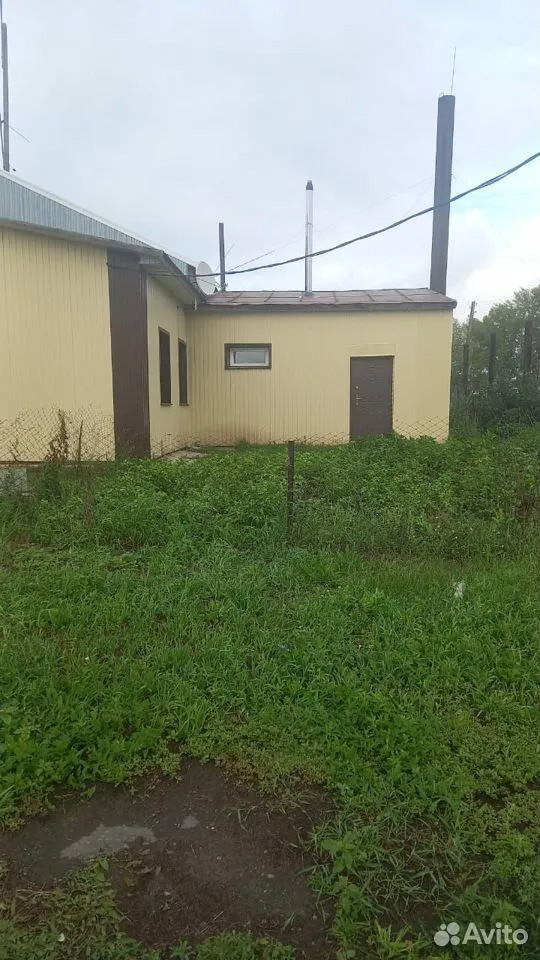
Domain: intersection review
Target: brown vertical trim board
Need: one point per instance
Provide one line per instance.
(129, 351)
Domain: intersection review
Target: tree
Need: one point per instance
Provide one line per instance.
(514, 394)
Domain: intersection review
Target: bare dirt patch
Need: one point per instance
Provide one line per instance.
(189, 858)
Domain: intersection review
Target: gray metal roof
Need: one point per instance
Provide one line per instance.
(25, 204)
(166, 269)
(403, 299)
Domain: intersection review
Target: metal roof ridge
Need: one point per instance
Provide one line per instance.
(89, 214)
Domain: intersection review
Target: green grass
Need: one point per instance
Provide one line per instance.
(159, 604)
(80, 919)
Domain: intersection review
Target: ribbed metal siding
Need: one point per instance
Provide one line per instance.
(55, 343)
(306, 393)
(169, 425)
(22, 204)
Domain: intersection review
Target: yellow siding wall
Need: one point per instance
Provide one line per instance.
(55, 354)
(55, 351)
(306, 393)
(169, 425)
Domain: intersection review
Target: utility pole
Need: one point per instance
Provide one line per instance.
(467, 350)
(222, 284)
(5, 97)
(441, 198)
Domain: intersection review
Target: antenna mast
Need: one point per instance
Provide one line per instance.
(453, 72)
(5, 92)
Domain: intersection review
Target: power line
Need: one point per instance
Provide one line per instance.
(261, 255)
(19, 134)
(420, 197)
(390, 226)
(328, 226)
(378, 203)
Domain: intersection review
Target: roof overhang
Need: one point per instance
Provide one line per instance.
(156, 262)
(163, 269)
(328, 308)
(32, 206)
(69, 235)
(262, 301)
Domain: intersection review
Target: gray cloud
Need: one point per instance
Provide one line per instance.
(168, 117)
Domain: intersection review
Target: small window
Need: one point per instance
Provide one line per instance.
(248, 356)
(165, 367)
(182, 373)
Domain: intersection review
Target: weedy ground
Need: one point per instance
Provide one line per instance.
(387, 650)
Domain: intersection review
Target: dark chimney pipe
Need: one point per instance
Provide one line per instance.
(443, 187)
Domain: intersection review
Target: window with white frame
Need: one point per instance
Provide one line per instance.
(248, 356)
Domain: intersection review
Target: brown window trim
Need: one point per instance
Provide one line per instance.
(183, 395)
(165, 403)
(247, 346)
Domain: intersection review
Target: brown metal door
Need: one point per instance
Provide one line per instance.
(371, 395)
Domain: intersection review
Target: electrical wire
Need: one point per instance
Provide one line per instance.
(261, 255)
(429, 182)
(391, 226)
(328, 226)
(19, 134)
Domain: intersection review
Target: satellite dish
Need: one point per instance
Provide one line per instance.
(208, 285)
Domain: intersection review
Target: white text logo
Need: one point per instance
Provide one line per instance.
(450, 933)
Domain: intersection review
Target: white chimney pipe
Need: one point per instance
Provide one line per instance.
(309, 237)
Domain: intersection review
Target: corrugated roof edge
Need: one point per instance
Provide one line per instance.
(157, 262)
(45, 194)
(72, 235)
(164, 269)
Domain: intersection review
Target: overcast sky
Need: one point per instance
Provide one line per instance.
(168, 116)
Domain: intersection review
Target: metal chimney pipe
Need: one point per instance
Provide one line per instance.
(222, 283)
(309, 237)
(443, 186)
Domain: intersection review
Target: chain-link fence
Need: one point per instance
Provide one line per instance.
(229, 436)
(37, 435)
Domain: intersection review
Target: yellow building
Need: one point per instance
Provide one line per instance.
(108, 347)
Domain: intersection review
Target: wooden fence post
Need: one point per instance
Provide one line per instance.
(290, 488)
(467, 350)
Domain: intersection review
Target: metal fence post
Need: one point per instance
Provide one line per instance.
(290, 488)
